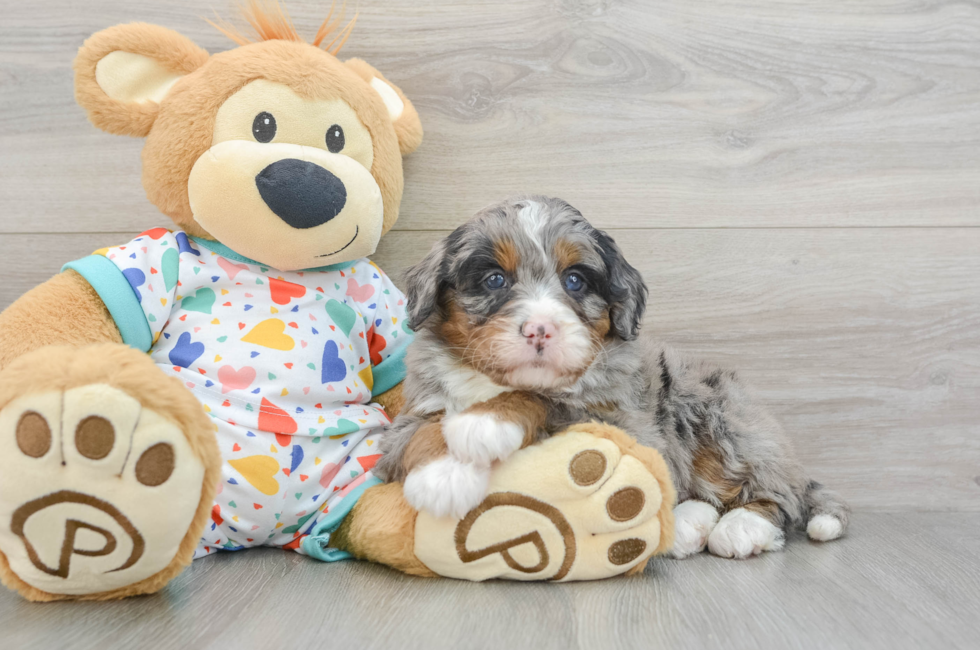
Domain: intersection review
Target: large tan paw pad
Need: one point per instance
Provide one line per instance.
(96, 492)
(571, 508)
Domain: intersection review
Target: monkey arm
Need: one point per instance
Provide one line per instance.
(65, 310)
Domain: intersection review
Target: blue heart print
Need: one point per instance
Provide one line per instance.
(185, 246)
(185, 352)
(136, 278)
(333, 367)
(297, 458)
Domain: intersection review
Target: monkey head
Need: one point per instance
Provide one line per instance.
(276, 148)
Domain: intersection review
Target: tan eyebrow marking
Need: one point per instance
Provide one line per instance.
(506, 254)
(566, 254)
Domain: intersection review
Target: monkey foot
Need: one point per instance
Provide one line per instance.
(98, 493)
(587, 504)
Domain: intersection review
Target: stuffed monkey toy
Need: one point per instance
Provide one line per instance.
(225, 384)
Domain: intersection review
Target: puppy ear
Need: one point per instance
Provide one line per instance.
(402, 114)
(122, 73)
(425, 282)
(627, 291)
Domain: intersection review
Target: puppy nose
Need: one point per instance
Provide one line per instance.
(537, 331)
(302, 194)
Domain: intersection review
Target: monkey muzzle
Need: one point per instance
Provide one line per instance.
(301, 193)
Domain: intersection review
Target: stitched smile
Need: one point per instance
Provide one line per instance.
(357, 229)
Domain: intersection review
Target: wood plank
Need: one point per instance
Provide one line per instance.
(670, 114)
(865, 342)
(809, 596)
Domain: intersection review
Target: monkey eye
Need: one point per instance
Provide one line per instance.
(264, 127)
(335, 138)
(495, 281)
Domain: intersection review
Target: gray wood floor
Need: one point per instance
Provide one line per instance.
(799, 184)
(897, 581)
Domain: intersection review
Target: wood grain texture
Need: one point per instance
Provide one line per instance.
(799, 184)
(864, 342)
(901, 580)
(668, 114)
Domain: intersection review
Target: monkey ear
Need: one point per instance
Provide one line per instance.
(403, 116)
(123, 73)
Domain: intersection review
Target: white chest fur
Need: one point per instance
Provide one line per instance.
(462, 387)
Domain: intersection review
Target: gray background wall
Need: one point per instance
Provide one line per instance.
(798, 182)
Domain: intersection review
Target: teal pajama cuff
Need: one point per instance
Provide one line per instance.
(119, 298)
(316, 543)
(390, 372)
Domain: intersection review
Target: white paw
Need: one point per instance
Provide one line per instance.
(824, 528)
(481, 438)
(446, 487)
(742, 533)
(693, 522)
(96, 492)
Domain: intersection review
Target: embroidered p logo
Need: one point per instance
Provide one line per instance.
(515, 500)
(67, 505)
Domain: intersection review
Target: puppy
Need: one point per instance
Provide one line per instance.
(527, 321)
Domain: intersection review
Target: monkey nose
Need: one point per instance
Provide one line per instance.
(301, 193)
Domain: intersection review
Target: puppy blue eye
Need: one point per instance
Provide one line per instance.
(574, 282)
(495, 281)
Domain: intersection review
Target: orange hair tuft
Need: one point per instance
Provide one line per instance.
(270, 21)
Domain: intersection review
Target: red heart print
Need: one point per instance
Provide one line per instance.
(282, 291)
(155, 233)
(275, 420)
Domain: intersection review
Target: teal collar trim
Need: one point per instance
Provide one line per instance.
(224, 251)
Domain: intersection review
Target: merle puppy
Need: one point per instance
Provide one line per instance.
(527, 321)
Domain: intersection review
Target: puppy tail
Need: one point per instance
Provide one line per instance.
(827, 514)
